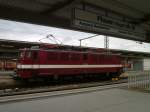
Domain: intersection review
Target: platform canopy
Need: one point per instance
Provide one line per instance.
(129, 19)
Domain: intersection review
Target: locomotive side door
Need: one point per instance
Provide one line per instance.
(38, 57)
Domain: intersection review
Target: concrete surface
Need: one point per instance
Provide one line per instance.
(3, 73)
(111, 100)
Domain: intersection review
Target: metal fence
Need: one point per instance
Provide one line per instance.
(139, 79)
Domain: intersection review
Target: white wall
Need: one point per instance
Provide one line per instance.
(146, 64)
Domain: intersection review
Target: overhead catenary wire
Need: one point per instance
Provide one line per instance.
(87, 38)
(52, 38)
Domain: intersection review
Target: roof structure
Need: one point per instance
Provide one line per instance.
(58, 13)
(10, 48)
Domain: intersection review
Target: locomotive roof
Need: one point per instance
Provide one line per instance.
(78, 50)
(67, 47)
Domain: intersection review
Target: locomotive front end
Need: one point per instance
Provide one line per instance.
(24, 65)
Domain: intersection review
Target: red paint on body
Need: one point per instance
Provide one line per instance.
(53, 56)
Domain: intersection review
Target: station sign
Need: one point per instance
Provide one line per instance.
(94, 22)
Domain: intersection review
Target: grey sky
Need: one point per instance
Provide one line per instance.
(29, 32)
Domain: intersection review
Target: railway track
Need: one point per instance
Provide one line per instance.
(50, 88)
(61, 91)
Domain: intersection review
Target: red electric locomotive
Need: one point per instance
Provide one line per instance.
(54, 60)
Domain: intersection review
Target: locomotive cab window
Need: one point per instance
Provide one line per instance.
(22, 54)
(28, 54)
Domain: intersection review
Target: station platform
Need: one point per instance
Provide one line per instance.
(110, 100)
(4, 73)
